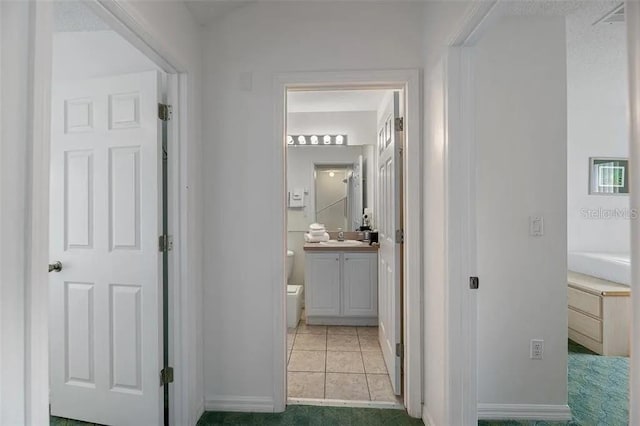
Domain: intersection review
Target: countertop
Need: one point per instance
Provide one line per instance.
(597, 286)
(362, 248)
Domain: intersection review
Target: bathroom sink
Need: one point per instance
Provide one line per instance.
(345, 243)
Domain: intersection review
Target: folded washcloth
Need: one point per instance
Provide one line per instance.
(316, 227)
(316, 239)
(317, 233)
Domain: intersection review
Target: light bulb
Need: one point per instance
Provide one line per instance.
(339, 139)
(314, 140)
(289, 140)
(327, 140)
(302, 140)
(332, 174)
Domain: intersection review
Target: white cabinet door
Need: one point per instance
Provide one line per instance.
(360, 285)
(106, 303)
(322, 284)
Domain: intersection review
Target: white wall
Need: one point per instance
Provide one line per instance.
(520, 86)
(264, 39)
(597, 88)
(86, 54)
(359, 126)
(300, 167)
(435, 409)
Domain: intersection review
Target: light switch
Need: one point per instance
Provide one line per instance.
(536, 226)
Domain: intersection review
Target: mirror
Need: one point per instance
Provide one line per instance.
(339, 195)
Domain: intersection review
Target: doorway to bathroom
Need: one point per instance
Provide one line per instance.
(344, 221)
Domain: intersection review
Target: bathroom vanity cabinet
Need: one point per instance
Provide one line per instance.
(341, 288)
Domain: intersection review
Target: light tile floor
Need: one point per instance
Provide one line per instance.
(337, 362)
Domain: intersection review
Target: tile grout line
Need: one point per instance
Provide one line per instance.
(326, 343)
(366, 378)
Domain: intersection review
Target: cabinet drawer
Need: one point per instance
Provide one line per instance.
(585, 302)
(585, 324)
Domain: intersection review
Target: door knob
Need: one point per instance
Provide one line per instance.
(55, 267)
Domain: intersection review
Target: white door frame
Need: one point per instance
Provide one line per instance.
(410, 82)
(632, 13)
(460, 173)
(123, 20)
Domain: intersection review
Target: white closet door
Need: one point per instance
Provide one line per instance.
(105, 209)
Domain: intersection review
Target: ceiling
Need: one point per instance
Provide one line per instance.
(335, 100)
(207, 11)
(76, 16)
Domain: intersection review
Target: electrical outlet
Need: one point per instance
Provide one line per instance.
(536, 349)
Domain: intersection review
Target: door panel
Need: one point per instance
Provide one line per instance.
(106, 303)
(390, 144)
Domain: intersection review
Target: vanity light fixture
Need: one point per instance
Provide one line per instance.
(314, 140)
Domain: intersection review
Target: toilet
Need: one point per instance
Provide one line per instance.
(294, 295)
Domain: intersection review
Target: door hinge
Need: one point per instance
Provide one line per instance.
(164, 112)
(474, 283)
(166, 376)
(399, 124)
(165, 243)
(399, 236)
(400, 350)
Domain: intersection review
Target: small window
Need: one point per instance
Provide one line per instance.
(608, 176)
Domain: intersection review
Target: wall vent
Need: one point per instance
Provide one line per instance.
(616, 15)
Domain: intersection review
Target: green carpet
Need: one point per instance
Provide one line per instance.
(304, 415)
(59, 421)
(598, 396)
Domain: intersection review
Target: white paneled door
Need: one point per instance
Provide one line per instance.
(106, 304)
(390, 142)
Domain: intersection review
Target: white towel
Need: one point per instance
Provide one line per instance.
(317, 233)
(316, 239)
(316, 227)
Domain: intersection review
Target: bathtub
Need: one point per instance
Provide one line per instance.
(608, 266)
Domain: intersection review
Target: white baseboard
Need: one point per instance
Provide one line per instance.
(239, 403)
(524, 412)
(426, 417)
(199, 412)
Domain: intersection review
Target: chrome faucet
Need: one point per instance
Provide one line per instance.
(340, 234)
